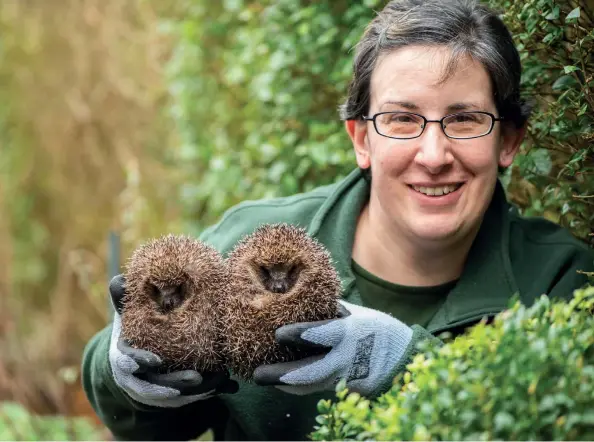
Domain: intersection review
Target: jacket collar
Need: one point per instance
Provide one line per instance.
(486, 284)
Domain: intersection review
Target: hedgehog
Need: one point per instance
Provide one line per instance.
(173, 287)
(279, 275)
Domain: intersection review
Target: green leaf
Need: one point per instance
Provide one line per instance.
(554, 14)
(341, 385)
(564, 82)
(570, 69)
(573, 14)
(503, 420)
(322, 420)
(542, 161)
(324, 406)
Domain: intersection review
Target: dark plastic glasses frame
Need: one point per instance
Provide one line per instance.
(425, 121)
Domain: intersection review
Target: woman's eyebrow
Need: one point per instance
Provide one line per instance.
(405, 104)
(463, 106)
(455, 107)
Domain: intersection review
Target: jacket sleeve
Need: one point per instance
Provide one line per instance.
(130, 420)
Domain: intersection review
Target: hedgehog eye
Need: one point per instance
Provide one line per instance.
(153, 290)
(294, 270)
(264, 272)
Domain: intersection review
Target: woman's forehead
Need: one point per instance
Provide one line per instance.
(416, 77)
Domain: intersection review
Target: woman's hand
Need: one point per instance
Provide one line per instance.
(364, 346)
(136, 371)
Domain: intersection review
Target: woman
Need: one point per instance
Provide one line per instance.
(420, 232)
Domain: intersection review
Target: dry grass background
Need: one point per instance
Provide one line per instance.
(85, 147)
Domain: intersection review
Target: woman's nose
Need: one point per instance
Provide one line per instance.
(434, 151)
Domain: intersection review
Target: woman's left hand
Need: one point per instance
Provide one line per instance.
(364, 346)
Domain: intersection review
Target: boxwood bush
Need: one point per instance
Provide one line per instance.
(527, 376)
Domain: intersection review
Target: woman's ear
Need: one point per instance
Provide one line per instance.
(511, 139)
(357, 131)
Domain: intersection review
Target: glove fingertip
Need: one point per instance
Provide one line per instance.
(149, 360)
(288, 334)
(117, 290)
(295, 335)
(267, 375)
(145, 359)
(343, 311)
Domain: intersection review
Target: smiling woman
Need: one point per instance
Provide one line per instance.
(432, 183)
(421, 233)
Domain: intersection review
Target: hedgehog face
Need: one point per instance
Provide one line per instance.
(168, 296)
(279, 278)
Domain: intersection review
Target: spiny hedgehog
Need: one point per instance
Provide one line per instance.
(278, 275)
(173, 286)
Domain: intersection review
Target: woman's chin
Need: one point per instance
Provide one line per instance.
(436, 232)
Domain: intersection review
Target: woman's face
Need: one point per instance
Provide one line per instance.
(409, 177)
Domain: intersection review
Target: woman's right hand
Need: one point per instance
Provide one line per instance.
(136, 371)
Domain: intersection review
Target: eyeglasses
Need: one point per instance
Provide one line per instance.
(460, 126)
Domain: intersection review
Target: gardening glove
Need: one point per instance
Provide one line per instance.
(136, 371)
(364, 346)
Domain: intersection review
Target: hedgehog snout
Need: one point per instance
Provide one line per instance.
(169, 297)
(278, 286)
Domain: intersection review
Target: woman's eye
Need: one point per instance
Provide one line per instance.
(402, 119)
(466, 118)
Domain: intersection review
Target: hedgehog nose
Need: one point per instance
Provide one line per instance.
(169, 303)
(278, 287)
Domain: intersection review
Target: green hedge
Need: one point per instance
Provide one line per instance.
(527, 376)
(255, 88)
(554, 174)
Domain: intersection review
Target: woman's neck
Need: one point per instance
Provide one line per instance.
(398, 259)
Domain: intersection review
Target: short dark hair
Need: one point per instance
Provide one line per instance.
(468, 27)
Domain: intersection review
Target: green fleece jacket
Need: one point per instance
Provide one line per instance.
(510, 255)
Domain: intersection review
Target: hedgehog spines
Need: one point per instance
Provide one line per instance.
(252, 313)
(188, 336)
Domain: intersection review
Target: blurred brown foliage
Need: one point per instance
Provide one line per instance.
(85, 147)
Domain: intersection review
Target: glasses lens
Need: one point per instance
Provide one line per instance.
(467, 125)
(399, 125)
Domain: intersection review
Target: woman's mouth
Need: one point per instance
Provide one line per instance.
(436, 191)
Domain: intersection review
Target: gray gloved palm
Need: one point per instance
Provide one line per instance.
(137, 371)
(365, 347)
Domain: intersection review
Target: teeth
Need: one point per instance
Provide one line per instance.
(436, 191)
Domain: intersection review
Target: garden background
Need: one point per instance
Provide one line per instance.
(136, 118)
